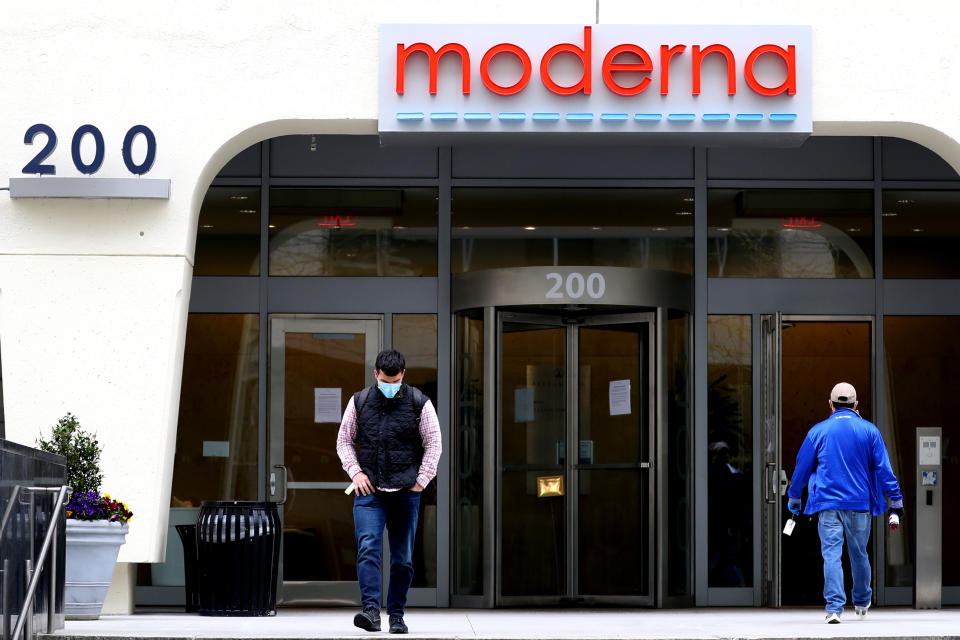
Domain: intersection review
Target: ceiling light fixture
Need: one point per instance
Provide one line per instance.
(906, 201)
(248, 210)
(530, 228)
(239, 197)
(888, 214)
(206, 226)
(683, 213)
(688, 199)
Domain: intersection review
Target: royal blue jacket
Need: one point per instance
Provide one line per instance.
(847, 466)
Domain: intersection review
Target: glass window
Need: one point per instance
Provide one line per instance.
(920, 233)
(562, 227)
(228, 233)
(415, 336)
(2, 420)
(767, 233)
(468, 447)
(353, 232)
(730, 451)
(923, 375)
(679, 481)
(216, 455)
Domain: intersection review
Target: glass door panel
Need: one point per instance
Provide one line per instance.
(613, 435)
(801, 360)
(316, 366)
(533, 422)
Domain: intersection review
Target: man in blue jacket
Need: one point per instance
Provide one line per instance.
(846, 463)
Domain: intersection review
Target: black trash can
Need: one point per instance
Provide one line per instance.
(188, 536)
(238, 552)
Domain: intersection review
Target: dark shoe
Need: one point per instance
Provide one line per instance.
(368, 619)
(396, 625)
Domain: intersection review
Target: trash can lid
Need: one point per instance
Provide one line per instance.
(237, 503)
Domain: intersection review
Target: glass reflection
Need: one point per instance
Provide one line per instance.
(920, 233)
(415, 336)
(353, 232)
(766, 233)
(730, 451)
(216, 454)
(468, 449)
(679, 480)
(923, 373)
(228, 233)
(650, 228)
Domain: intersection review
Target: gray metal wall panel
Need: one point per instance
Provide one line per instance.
(225, 294)
(906, 160)
(815, 297)
(245, 164)
(819, 158)
(343, 295)
(921, 297)
(348, 156)
(527, 161)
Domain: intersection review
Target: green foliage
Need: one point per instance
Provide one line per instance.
(81, 450)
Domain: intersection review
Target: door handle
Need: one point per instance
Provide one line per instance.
(273, 483)
(769, 490)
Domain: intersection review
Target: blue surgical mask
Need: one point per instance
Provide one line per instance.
(389, 389)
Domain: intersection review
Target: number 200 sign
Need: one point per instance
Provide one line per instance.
(576, 285)
(36, 166)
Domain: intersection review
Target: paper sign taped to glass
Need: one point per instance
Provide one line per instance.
(549, 486)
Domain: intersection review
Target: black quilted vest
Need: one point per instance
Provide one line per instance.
(388, 443)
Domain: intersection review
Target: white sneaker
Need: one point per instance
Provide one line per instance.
(861, 611)
(833, 618)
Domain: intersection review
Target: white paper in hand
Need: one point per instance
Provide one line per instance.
(788, 527)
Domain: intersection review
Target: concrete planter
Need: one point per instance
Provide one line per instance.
(92, 549)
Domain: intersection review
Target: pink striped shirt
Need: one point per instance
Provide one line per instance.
(429, 432)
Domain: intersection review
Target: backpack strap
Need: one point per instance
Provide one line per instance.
(359, 398)
(419, 401)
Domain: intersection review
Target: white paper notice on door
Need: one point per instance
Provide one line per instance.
(929, 450)
(619, 397)
(523, 404)
(326, 404)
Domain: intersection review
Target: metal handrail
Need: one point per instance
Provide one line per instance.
(35, 578)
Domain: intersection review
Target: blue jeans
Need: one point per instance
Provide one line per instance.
(834, 524)
(398, 511)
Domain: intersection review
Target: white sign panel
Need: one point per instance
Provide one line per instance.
(463, 80)
(929, 450)
(326, 404)
(619, 397)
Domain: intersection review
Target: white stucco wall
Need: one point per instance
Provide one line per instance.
(94, 294)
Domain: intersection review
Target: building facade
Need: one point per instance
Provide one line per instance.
(671, 305)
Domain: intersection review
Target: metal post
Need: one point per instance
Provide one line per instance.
(27, 611)
(52, 576)
(928, 538)
(4, 614)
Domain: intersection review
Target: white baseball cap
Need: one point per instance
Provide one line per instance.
(844, 393)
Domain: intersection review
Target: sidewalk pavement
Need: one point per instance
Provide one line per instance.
(567, 624)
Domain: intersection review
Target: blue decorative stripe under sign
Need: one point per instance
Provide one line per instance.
(552, 116)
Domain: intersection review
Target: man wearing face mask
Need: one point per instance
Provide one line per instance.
(389, 444)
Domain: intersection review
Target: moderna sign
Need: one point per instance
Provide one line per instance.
(613, 81)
